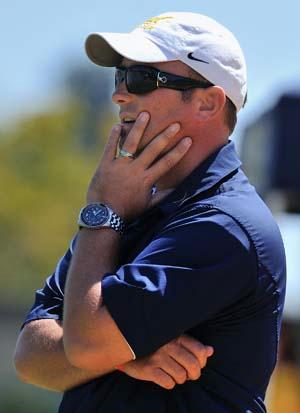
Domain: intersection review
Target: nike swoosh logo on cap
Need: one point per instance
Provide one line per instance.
(190, 56)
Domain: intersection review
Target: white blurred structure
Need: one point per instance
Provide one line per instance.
(289, 225)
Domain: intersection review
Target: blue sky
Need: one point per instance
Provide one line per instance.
(39, 37)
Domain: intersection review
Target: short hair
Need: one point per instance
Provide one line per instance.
(230, 112)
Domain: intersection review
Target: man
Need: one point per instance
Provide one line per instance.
(201, 257)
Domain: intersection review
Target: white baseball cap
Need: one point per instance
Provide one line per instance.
(196, 40)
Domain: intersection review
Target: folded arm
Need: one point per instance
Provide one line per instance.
(40, 360)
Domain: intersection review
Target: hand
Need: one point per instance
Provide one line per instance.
(174, 363)
(125, 184)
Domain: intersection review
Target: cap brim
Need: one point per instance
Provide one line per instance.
(108, 49)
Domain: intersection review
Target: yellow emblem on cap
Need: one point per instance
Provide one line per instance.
(151, 23)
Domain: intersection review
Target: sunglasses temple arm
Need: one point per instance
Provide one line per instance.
(179, 83)
(161, 78)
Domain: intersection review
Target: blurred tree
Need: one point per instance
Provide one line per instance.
(91, 85)
(44, 174)
(46, 162)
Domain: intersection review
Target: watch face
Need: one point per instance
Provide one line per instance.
(95, 215)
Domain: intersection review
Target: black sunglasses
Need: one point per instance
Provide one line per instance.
(143, 79)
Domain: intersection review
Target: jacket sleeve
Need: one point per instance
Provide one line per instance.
(49, 300)
(194, 269)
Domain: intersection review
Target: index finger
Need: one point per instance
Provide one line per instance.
(111, 146)
(136, 133)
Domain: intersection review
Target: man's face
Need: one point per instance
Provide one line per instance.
(165, 106)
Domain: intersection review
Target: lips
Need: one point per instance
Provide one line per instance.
(127, 119)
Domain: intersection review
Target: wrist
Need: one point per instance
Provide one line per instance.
(95, 216)
(120, 367)
(96, 199)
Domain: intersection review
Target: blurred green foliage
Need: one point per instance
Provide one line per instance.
(46, 162)
(25, 398)
(45, 168)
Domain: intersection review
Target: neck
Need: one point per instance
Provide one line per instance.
(196, 155)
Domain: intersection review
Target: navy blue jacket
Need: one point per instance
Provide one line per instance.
(209, 262)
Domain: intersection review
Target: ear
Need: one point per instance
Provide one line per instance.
(210, 102)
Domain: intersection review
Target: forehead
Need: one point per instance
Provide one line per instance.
(175, 66)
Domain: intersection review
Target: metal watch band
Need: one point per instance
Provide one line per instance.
(114, 221)
(117, 223)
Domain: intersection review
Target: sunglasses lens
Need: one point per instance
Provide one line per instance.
(141, 80)
(144, 79)
(119, 76)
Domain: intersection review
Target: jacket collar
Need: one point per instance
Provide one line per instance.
(206, 175)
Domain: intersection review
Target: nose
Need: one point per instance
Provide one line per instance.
(121, 94)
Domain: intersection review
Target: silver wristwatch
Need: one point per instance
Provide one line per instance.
(97, 216)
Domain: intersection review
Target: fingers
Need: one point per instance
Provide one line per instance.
(157, 145)
(136, 133)
(199, 350)
(185, 358)
(168, 161)
(110, 149)
(149, 368)
(209, 351)
(174, 363)
(163, 379)
(175, 370)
